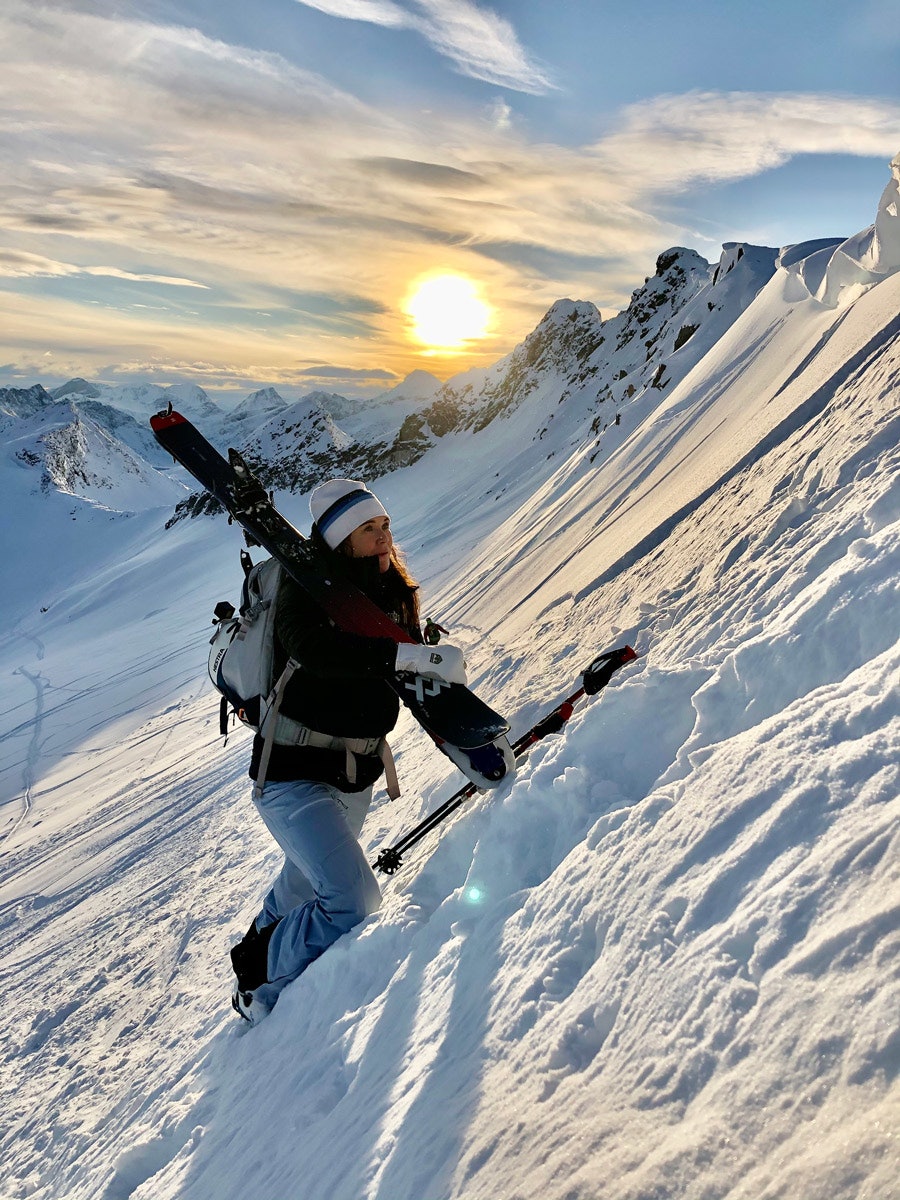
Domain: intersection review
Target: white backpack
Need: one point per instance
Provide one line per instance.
(242, 650)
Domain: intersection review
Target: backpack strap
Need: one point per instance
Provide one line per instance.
(383, 750)
(390, 770)
(293, 733)
(269, 740)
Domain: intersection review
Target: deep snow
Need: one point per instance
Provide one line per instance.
(661, 963)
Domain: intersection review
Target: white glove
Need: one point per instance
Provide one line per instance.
(436, 662)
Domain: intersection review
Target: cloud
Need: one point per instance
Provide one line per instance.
(676, 141)
(233, 375)
(478, 42)
(17, 264)
(349, 373)
(378, 12)
(425, 173)
(500, 114)
(168, 280)
(545, 261)
(305, 212)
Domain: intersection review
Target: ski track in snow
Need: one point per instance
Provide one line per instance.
(660, 962)
(33, 752)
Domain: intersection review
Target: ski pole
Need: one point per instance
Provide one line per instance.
(593, 679)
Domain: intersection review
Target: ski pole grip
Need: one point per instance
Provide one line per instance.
(553, 722)
(604, 666)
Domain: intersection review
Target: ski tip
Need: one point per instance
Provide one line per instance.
(166, 419)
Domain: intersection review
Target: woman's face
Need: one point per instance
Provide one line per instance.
(373, 537)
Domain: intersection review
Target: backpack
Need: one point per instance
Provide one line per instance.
(242, 650)
(241, 667)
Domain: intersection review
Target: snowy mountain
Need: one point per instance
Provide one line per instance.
(418, 388)
(254, 410)
(576, 358)
(378, 421)
(303, 431)
(660, 962)
(291, 451)
(83, 454)
(79, 388)
(23, 402)
(338, 407)
(141, 400)
(573, 358)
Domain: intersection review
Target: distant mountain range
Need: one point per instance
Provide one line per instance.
(573, 357)
(92, 440)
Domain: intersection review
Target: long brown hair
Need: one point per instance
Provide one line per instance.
(406, 587)
(409, 601)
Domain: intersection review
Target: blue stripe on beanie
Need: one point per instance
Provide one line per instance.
(340, 506)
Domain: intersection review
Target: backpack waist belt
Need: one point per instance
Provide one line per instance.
(284, 731)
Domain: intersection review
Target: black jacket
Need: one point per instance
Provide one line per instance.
(342, 685)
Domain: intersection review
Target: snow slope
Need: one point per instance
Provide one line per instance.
(661, 963)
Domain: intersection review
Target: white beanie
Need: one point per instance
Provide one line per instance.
(342, 505)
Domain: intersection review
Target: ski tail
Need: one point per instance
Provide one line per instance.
(167, 419)
(486, 766)
(595, 677)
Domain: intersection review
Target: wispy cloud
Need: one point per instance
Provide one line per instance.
(324, 371)
(479, 42)
(677, 141)
(378, 12)
(18, 264)
(428, 174)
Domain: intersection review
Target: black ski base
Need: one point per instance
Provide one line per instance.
(593, 680)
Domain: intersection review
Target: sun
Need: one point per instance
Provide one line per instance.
(447, 311)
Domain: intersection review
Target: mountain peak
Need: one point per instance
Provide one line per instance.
(18, 402)
(566, 310)
(418, 386)
(260, 404)
(266, 395)
(681, 256)
(76, 387)
(419, 378)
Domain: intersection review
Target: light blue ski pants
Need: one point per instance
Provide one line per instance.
(326, 886)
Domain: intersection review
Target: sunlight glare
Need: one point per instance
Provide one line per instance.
(447, 311)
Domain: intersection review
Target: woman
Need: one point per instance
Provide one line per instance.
(317, 790)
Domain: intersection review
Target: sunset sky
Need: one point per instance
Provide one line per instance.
(248, 194)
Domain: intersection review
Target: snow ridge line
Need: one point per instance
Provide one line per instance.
(802, 415)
